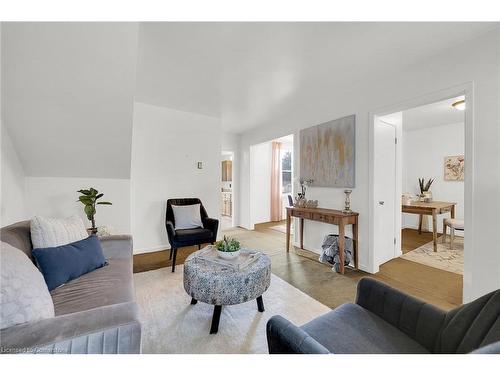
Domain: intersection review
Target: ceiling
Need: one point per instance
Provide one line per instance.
(67, 96)
(242, 72)
(434, 114)
(68, 88)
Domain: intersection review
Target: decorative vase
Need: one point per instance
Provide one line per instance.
(406, 199)
(228, 254)
(300, 201)
(427, 196)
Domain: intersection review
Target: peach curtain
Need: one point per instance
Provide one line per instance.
(275, 182)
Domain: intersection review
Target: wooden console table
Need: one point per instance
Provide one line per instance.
(324, 215)
(430, 208)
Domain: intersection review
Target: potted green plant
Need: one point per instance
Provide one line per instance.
(425, 193)
(89, 199)
(228, 248)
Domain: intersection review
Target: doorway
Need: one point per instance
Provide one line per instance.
(227, 192)
(271, 181)
(432, 139)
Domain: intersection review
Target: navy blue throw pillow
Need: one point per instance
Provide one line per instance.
(61, 264)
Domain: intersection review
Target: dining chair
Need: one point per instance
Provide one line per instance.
(454, 224)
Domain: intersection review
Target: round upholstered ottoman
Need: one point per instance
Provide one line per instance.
(221, 285)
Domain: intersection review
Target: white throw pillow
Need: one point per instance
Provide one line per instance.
(24, 296)
(48, 232)
(187, 217)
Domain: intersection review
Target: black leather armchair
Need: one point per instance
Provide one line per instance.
(188, 237)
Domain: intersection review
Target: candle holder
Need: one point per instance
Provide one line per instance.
(347, 208)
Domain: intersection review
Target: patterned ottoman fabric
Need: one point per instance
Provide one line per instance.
(216, 284)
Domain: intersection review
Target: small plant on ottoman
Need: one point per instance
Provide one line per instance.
(228, 248)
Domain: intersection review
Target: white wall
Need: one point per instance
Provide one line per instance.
(424, 153)
(58, 197)
(166, 146)
(260, 183)
(475, 61)
(13, 203)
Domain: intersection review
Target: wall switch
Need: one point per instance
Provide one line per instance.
(200, 165)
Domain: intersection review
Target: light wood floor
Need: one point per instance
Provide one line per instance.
(303, 270)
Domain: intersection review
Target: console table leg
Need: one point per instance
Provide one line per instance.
(260, 304)
(341, 246)
(215, 319)
(301, 233)
(355, 242)
(288, 223)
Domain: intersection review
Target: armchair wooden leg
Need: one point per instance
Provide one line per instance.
(173, 261)
(199, 246)
(171, 251)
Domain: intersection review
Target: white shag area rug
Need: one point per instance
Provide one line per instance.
(170, 324)
(444, 258)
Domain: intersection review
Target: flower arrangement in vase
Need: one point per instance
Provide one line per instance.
(301, 200)
(425, 193)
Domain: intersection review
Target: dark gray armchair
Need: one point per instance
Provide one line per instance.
(386, 321)
(188, 237)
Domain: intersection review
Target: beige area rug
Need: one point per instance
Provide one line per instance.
(444, 258)
(170, 324)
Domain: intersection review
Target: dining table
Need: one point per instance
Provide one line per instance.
(433, 209)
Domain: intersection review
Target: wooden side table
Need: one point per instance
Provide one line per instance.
(325, 215)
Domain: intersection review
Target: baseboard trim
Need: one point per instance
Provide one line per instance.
(151, 249)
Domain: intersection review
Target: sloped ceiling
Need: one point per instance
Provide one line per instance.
(67, 96)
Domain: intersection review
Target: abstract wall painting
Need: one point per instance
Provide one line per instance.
(454, 168)
(327, 153)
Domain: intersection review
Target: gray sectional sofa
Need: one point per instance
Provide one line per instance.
(387, 321)
(95, 313)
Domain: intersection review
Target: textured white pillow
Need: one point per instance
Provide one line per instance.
(24, 296)
(48, 232)
(187, 217)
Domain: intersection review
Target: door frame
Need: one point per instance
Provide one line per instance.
(466, 89)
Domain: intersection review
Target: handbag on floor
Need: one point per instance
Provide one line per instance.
(330, 253)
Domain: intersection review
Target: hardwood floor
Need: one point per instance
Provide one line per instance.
(303, 270)
(159, 259)
(410, 239)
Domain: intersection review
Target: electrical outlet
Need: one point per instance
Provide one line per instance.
(200, 165)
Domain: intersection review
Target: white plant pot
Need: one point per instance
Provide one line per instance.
(228, 254)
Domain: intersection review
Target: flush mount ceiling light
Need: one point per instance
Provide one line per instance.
(460, 105)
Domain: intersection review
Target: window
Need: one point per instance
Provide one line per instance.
(286, 172)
